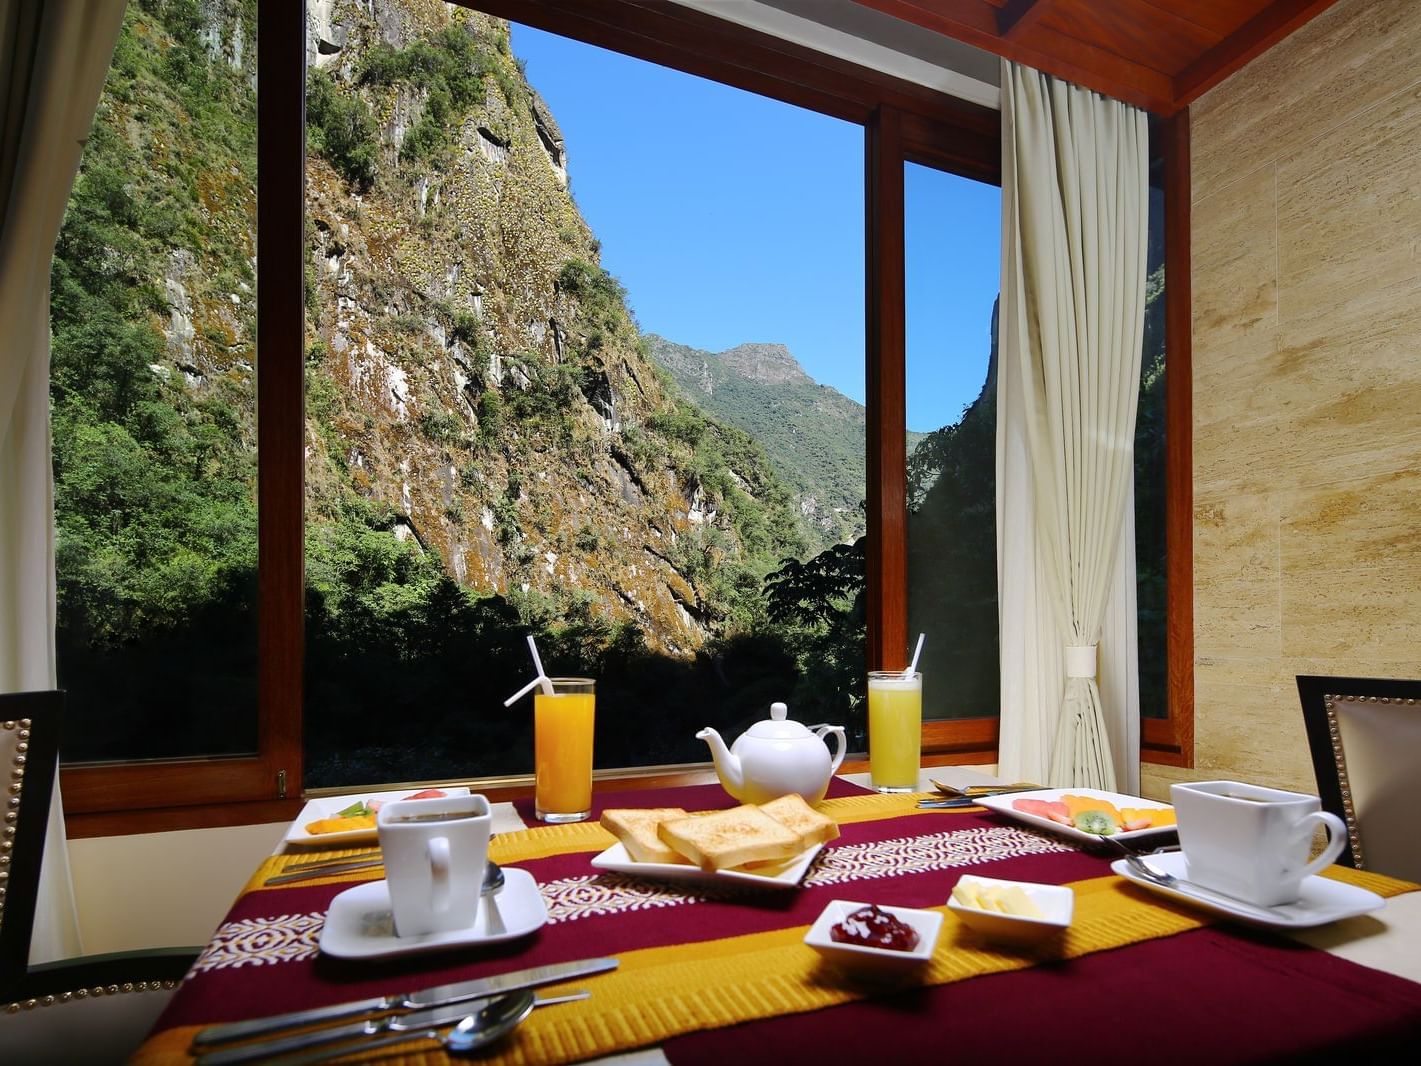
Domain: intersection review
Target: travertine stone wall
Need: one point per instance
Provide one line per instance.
(1307, 383)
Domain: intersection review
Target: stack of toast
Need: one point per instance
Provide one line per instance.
(745, 835)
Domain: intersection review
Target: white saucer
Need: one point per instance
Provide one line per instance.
(360, 924)
(1323, 900)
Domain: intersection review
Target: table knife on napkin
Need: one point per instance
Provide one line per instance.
(334, 869)
(402, 1003)
(411, 1025)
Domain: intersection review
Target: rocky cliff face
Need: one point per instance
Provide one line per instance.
(472, 370)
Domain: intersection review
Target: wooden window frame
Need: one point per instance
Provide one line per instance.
(903, 122)
(112, 799)
(1169, 741)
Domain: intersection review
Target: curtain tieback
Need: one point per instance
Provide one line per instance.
(1080, 660)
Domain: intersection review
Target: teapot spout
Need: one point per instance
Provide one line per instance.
(727, 764)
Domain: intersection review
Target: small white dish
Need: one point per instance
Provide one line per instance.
(1003, 805)
(1323, 900)
(1057, 904)
(361, 925)
(786, 874)
(330, 806)
(871, 961)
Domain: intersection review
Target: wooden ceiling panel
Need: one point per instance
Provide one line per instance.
(1133, 29)
(1220, 17)
(1158, 54)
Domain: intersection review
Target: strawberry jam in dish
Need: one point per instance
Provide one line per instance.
(875, 928)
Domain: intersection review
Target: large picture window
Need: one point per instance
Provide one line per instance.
(579, 338)
(153, 390)
(482, 419)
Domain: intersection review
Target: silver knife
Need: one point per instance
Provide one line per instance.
(357, 856)
(403, 1003)
(410, 1025)
(311, 873)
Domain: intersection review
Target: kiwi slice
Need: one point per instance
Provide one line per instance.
(1097, 822)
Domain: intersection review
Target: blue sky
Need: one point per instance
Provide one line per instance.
(731, 218)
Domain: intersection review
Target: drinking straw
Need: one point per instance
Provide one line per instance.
(912, 666)
(529, 687)
(542, 677)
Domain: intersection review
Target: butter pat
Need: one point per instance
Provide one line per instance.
(1019, 911)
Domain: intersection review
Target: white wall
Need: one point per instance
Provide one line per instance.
(163, 889)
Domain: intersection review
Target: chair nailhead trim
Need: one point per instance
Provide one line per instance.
(1334, 732)
(12, 812)
(85, 993)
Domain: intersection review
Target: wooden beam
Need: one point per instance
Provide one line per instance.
(886, 461)
(697, 43)
(1080, 62)
(1171, 740)
(1018, 16)
(1250, 40)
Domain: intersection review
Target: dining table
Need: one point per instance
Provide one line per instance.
(718, 973)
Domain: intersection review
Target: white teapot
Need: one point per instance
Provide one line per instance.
(775, 757)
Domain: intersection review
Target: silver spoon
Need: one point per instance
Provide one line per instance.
(495, 1020)
(1197, 891)
(493, 879)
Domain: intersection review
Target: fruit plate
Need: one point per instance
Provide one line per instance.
(1004, 805)
(785, 874)
(330, 806)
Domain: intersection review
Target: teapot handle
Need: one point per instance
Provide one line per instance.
(840, 743)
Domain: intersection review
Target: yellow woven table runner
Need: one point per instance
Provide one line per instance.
(662, 992)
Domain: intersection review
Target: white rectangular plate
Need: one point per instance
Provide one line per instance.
(1003, 805)
(330, 806)
(785, 874)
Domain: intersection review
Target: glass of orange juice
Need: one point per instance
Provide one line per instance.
(562, 749)
(895, 729)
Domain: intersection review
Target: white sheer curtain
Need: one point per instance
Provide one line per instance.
(54, 55)
(1074, 229)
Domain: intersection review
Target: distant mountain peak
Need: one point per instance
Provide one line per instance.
(765, 364)
(770, 364)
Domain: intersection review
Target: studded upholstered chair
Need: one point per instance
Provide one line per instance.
(95, 1008)
(1365, 736)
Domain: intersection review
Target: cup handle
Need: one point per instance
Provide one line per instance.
(438, 850)
(1336, 840)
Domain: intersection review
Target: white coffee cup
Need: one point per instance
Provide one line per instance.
(1252, 842)
(435, 853)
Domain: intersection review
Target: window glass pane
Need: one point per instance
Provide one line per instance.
(153, 316)
(953, 240)
(1149, 474)
(669, 500)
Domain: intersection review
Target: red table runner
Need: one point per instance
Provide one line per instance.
(1195, 985)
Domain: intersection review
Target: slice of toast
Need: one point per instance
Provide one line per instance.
(636, 829)
(730, 838)
(801, 819)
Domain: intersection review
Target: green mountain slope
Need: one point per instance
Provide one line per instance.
(812, 433)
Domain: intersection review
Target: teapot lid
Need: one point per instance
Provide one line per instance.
(778, 726)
